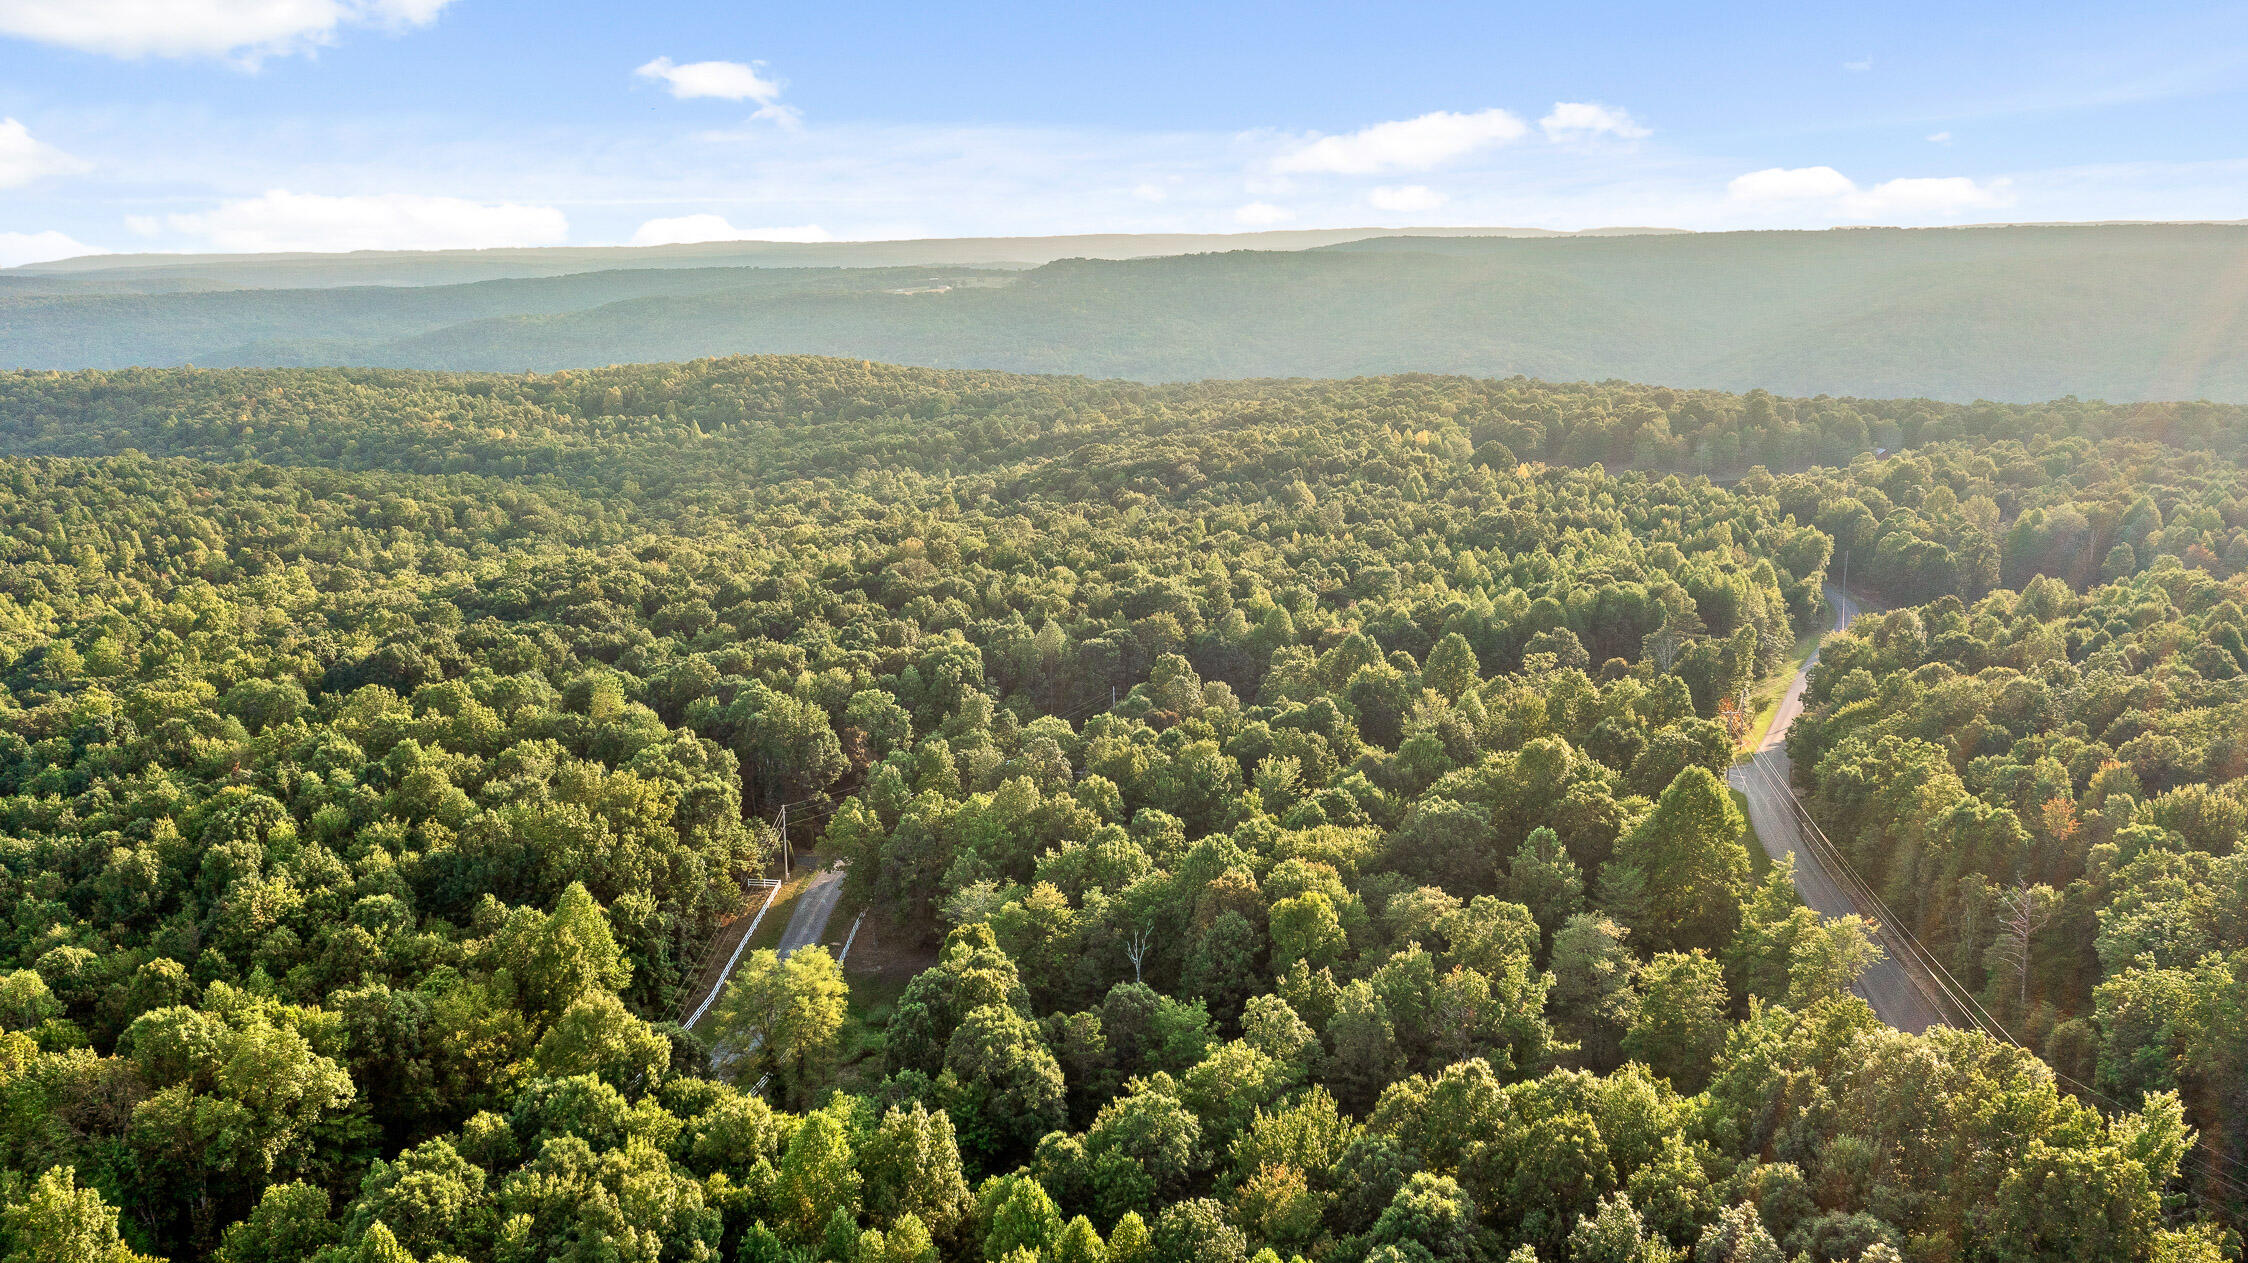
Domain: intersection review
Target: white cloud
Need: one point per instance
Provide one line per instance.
(1580, 120)
(1405, 197)
(24, 158)
(18, 248)
(1917, 197)
(895, 181)
(1859, 66)
(1940, 138)
(279, 221)
(725, 81)
(244, 30)
(1789, 184)
(719, 80)
(1413, 144)
(1149, 192)
(1262, 215)
(407, 12)
(686, 229)
(1932, 195)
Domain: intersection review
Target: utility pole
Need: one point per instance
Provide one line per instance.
(784, 841)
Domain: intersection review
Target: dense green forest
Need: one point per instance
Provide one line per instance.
(2117, 312)
(1307, 798)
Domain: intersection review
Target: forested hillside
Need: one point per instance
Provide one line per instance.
(1308, 797)
(2118, 312)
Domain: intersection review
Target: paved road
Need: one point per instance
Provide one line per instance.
(1764, 779)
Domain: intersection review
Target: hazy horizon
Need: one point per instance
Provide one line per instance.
(343, 125)
(1270, 239)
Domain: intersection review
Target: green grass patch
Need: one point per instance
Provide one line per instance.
(1766, 697)
(875, 996)
(866, 1025)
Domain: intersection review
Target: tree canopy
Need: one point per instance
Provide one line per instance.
(1305, 800)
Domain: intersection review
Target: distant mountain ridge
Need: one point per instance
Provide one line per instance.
(2116, 312)
(150, 273)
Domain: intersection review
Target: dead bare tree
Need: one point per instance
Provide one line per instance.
(1135, 949)
(2022, 912)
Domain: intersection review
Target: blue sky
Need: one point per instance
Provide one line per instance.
(340, 124)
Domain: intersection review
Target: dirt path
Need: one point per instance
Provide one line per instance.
(813, 907)
(807, 923)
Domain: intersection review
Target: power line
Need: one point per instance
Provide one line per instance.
(1953, 990)
(1860, 891)
(1984, 1021)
